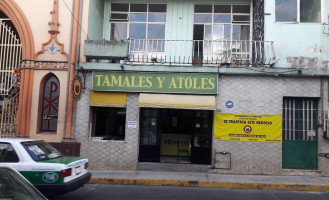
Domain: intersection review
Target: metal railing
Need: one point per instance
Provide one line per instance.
(202, 52)
(8, 116)
(10, 56)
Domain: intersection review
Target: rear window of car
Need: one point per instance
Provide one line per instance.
(40, 150)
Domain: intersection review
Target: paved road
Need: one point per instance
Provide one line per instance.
(132, 192)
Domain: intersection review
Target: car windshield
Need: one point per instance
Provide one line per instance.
(40, 150)
(13, 186)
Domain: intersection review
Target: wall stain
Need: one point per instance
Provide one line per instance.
(306, 62)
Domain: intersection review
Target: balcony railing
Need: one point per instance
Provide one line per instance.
(202, 52)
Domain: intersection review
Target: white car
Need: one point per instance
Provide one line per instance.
(14, 186)
(45, 167)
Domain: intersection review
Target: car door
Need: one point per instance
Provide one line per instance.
(9, 156)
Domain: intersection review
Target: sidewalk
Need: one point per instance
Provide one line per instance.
(190, 179)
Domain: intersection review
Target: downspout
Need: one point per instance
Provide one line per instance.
(71, 69)
(77, 60)
(322, 107)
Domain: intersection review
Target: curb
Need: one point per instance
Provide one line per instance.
(211, 184)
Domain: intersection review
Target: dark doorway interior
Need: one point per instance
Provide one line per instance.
(175, 136)
(198, 37)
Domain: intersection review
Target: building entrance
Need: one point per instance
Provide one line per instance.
(175, 135)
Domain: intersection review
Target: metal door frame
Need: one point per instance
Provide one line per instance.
(10, 58)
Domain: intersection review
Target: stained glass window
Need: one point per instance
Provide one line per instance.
(50, 101)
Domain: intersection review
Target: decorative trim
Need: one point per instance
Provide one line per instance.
(47, 52)
(76, 87)
(53, 49)
(54, 23)
(45, 65)
(16, 15)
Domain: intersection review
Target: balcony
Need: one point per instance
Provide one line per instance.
(103, 49)
(241, 53)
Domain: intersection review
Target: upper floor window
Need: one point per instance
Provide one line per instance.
(304, 11)
(222, 22)
(50, 101)
(137, 21)
(221, 32)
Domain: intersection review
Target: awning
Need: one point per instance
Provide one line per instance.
(114, 99)
(202, 102)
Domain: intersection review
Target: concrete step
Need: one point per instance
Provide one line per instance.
(172, 167)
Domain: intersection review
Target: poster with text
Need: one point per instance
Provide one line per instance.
(248, 127)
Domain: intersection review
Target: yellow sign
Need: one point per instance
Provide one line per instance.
(248, 127)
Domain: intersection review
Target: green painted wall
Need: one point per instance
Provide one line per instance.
(96, 20)
(179, 24)
(298, 43)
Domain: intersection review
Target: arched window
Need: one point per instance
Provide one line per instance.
(49, 106)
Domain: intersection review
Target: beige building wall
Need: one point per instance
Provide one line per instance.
(38, 14)
(50, 137)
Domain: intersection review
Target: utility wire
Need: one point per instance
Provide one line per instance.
(98, 8)
(75, 19)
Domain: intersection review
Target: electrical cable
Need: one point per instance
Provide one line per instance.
(75, 19)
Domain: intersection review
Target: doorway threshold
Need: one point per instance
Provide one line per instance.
(172, 167)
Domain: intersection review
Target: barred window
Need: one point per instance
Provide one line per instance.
(299, 119)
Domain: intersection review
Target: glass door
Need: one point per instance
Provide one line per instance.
(201, 137)
(149, 149)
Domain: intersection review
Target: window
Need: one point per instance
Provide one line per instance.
(149, 126)
(40, 150)
(137, 21)
(7, 153)
(223, 22)
(304, 11)
(108, 123)
(221, 32)
(50, 101)
(299, 119)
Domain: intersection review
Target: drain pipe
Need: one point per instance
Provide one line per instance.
(323, 126)
(71, 69)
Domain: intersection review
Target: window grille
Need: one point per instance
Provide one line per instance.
(299, 119)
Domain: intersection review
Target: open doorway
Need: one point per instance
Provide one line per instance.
(198, 37)
(175, 136)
